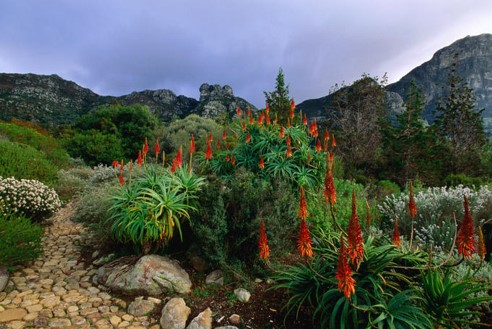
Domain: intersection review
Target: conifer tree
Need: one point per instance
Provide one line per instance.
(279, 99)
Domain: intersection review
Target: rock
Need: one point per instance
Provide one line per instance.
(4, 277)
(12, 314)
(242, 295)
(227, 327)
(215, 277)
(152, 275)
(140, 307)
(103, 260)
(115, 320)
(199, 264)
(175, 314)
(202, 320)
(235, 319)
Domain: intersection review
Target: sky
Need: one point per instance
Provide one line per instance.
(114, 47)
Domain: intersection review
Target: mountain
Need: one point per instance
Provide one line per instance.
(473, 64)
(51, 100)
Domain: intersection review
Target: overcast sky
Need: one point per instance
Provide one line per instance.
(115, 47)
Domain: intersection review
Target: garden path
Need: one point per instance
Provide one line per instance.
(56, 290)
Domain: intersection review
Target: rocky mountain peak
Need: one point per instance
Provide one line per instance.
(215, 92)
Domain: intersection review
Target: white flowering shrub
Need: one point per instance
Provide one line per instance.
(27, 197)
(436, 208)
(103, 173)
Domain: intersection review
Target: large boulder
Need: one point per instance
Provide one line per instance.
(174, 314)
(151, 275)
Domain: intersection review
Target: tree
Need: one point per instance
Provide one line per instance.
(460, 125)
(359, 111)
(279, 99)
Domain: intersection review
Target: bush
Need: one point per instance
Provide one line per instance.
(23, 161)
(462, 179)
(29, 198)
(20, 240)
(25, 133)
(434, 223)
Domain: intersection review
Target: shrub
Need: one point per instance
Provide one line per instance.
(23, 161)
(29, 198)
(20, 240)
(434, 223)
(25, 133)
(462, 179)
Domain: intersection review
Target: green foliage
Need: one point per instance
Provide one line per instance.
(23, 161)
(15, 132)
(226, 229)
(279, 99)
(450, 302)
(29, 198)
(149, 210)
(462, 179)
(110, 132)
(381, 295)
(20, 240)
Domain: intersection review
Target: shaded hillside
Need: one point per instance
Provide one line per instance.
(51, 100)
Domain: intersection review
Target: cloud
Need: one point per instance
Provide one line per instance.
(115, 47)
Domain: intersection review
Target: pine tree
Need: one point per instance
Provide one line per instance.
(279, 99)
(460, 125)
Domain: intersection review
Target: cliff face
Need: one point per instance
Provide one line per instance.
(53, 101)
(474, 65)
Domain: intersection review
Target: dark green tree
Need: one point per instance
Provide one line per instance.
(279, 99)
(460, 125)
(358, 113)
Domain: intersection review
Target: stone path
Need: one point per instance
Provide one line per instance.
(57, 292)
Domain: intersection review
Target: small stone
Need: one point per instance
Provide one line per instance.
(115, 320)
(202, 320)
(17, 324)
(227, 327)
(34, 308)
(124, 324)
(51, 301)
(154, 300)
(12, 314)
(235, 319)
(215, 277)
(127, 317)
(41, 321)
(72, 309)
(31, 316)
(242, 295)
(141, 307)
(78, 320)
(62, 323)
(174, 314)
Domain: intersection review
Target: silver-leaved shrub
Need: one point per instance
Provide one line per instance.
(27, 197)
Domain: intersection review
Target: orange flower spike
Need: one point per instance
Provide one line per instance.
(139, 159)
(288, 153)
(303, 211)
(239, 111)
(210, 138)
(288, 141)
(268, 121)
(481, 249)
(315, 129)
(145, 147)
(466, 236)
(233, 160)
(131, 166)
(333, 141)
(248, 111)
(248, 137)
(282, 132)
(261, 164)
(292, 108)
(208, 152)
(304, 120)
(261, 117)
(263, 242)
(157, 148)
(318, 145)
(121, 179)
(243, 126)
(396, 234)
(192, 144)
(267, 108)
(304, 243)
(224, 135)
(355, 243)
(326, 137)
(115, 163)
(288, 123)
(251, 120)
(228, 158)
(346, 283)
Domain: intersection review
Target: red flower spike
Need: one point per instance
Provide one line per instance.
(239, 111)
(466, 237)
(251, 120)
(481, 249)
(261, 164)
(224, 135)
(326, 137)
(208, 152)
(288, 153)
(145, 147)
(355, 243)
(210, 138)
(288, 123)
(396, 234)
(318, 146)
(139, 159)
(121, 179)
(346, 283)
(178, 161)
(333, 141)
(292, 108)
(303, 211)
(288, 141)
(248, 111)
(330, 192)
(263, 242)
(304, 243)
(131, 166)
(248, 137)
(304, 120)
(412, 206)
(157, 148)
(282, 132)
(233, 160)
(115, 163)
(244, 126)
(192, 144)
(268, 121)
(228, 158)
(218, 145)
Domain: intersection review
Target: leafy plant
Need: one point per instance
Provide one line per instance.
(20, 240)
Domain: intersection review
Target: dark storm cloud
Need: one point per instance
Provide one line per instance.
(115, 47)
